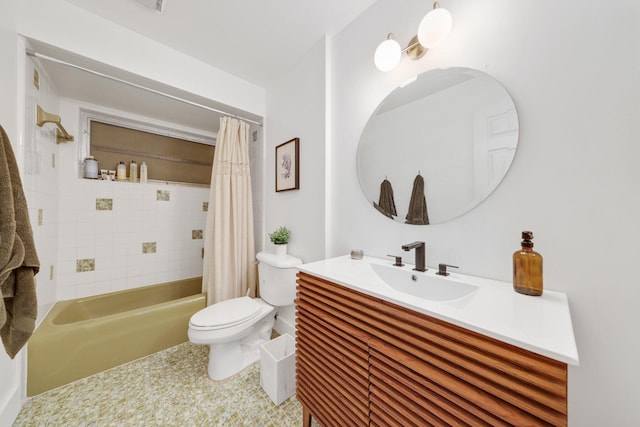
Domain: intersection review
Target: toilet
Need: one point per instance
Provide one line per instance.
(236, 328)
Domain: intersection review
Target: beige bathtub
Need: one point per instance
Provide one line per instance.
(84, 336)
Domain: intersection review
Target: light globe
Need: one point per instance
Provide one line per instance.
(434, 27)
(387, 55)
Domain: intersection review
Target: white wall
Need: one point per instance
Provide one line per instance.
(572, 69)
(296, 108)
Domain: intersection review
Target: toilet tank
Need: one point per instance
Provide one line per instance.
(277, 275)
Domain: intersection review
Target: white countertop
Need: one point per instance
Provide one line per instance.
(539, 324)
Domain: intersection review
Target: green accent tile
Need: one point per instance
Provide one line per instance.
(149, 248)
(163, 195)
(104, 204)
(205, 206)
(40, 216)
(196, 234)
(83, 265)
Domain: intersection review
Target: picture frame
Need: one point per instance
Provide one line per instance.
(288, 165)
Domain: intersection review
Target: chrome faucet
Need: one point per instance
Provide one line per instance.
(421, 251)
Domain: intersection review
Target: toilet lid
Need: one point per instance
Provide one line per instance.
(226, 313)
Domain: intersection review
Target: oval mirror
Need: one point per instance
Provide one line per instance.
(435, 148)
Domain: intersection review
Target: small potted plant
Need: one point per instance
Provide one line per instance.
(280, 238)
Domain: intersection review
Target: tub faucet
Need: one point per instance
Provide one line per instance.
(420, 254)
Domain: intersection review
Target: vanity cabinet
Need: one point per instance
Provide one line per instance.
(364, 361)
(332, 357)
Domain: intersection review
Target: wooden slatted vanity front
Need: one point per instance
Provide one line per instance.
(363, 361)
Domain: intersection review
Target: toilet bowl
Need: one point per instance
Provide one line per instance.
(236, 328)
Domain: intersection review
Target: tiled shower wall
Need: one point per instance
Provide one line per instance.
(120, 235)
(40, 180)
(94, 236)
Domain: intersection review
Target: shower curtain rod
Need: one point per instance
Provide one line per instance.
(31, 52)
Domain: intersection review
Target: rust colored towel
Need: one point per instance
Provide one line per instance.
(18, 258)
(418, 204)
(386, 205)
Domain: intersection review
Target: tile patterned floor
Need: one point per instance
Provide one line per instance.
(169, 388)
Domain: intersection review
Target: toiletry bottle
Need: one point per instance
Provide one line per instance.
(527, 268)
(90, 167)
(121, 172)
(143, 173)
(133, 171)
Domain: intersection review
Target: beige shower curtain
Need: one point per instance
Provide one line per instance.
(229, 268)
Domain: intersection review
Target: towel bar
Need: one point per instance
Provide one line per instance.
(61, 133)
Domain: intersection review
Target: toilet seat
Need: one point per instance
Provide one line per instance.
(226, 314)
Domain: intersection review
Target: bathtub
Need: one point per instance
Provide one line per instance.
(84, 336)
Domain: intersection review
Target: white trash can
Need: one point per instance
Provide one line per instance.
(278, 368)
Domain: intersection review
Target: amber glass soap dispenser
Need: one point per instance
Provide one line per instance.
(527, 268)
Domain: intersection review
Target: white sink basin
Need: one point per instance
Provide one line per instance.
(423, 285)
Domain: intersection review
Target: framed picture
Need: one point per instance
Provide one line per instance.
(288, 165)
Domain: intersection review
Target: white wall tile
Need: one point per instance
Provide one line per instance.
(105, 227)
(134, 282)
(85, 252)
(67, 267)
(85, 277)
(102, 189)
(66, 293)
(67, 253)
(85, 290)
(173, 274)
(103, 251)
(102, 287)
(160, 277)
(134, 270)
(119, 284)
(85, 228)
(120, 249)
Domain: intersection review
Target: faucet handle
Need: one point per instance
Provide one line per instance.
(398, 259)
(442, 269)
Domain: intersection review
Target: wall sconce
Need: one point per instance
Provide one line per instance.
(433, 29)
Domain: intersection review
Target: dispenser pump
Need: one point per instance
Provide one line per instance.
(527, 268)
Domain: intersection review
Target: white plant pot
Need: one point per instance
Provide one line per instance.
(280, 250)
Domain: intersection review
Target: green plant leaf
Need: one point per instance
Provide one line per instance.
(280, 236)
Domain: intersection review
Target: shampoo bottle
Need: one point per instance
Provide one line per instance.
(143, 173)
(527, 268)
(122, 172)
(133, 171)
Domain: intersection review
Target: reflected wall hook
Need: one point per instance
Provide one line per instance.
(61, 133)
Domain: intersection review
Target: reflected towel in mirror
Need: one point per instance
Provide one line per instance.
(386, 205)
(418, 204)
